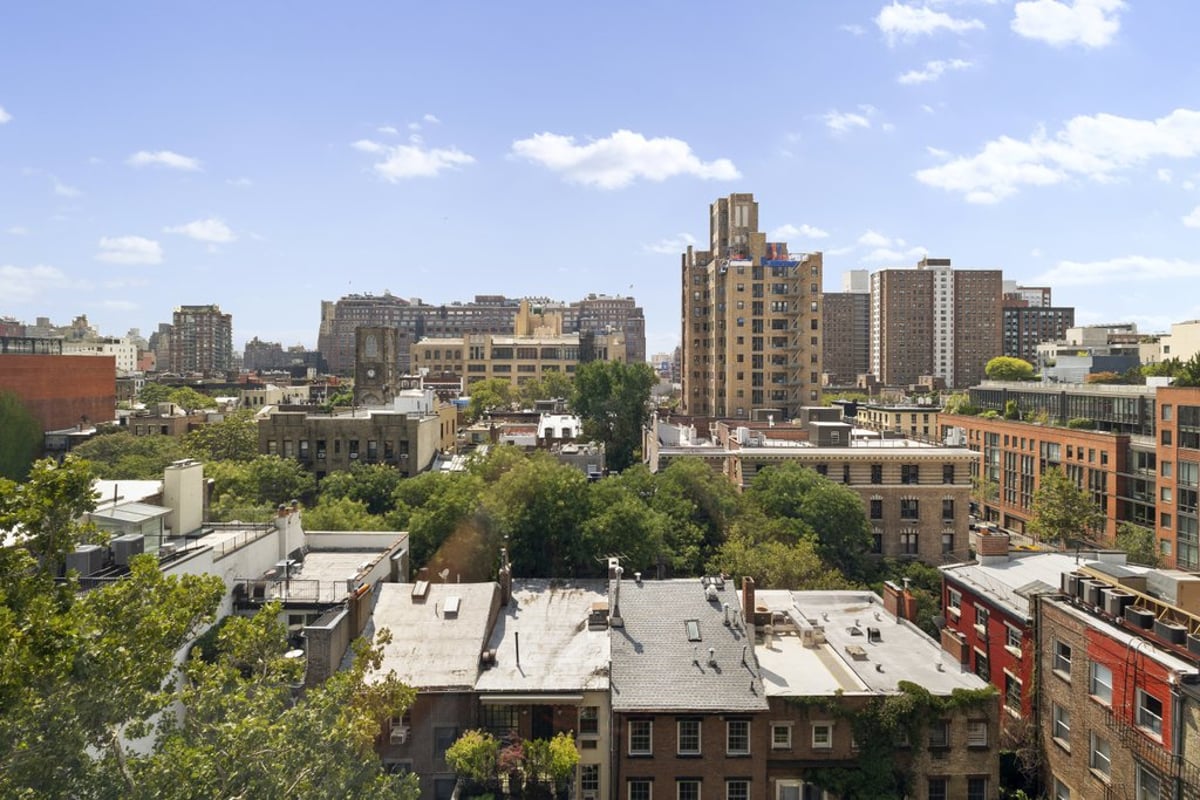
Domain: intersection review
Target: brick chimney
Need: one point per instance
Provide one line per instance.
(891, 599)
(991, 548)
(748, 601)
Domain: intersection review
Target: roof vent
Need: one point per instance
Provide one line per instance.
(420, 590)
(712, 656)
(487, 658)
(452, 604)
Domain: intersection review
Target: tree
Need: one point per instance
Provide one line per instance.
(551, 386)
(700, 505)
(488, 394)
(191, 400)
(447, 528)
(539, 507)
(474, 756)
(341, 514)
(371, 484)
(123, 456)
(775, 554)
(1007, 368)
(1062, 512)
(155, 393)
(622, 523)
(251, 490)
(234, 438)
(1138, 543)
(613, 399)
(20, 437)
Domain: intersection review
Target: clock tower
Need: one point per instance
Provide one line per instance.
(375, 380)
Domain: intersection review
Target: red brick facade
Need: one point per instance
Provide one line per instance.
(62, 391)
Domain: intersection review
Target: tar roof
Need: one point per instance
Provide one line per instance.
(1008, 582)
(431, 649)
(558, 651)
(657, 666)
(852, 659)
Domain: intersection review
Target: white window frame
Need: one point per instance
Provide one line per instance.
(1142, 792)
(1060, 726)
(679, 737)
(977, 733)
(636, 781)
(680, 783)
(1094, 682)
(1104, 772)
(824, 742)
(729, 726)
(1156, 720)
(1056, 664)
(649, 723)
(742, 782)
(1013, 637)
(786, 727)
(1060, 790)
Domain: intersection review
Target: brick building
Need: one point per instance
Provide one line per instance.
(846, 320)
(59, 391)
(1178, 463)
(201, 340)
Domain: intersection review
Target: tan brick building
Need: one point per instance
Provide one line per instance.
(537, 347)
(751, 320)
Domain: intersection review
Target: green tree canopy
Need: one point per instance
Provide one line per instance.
(622, 523)
(1138, 543)
(446, 525)
(774, 552)
(341, 514)
(613, 399)
(700, 505)
(251, 490)
(234, 438)
(154, 393)
(488, 394)
(539, 507)
(551, 386)
(1007, 368)
(191, 400)
(20, 437)
(370, 484)
(1064, 513)
(123, 456)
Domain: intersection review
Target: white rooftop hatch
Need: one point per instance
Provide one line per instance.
(452, 604)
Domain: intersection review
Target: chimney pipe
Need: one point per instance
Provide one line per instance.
(712, 656)
(517, 643)
(614, 619)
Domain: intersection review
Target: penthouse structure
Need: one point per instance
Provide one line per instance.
(751, 320)
(934, 320)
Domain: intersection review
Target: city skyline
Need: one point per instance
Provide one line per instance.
(265, 159)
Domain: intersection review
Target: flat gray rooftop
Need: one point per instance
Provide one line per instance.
(559, 653)
(850, 660)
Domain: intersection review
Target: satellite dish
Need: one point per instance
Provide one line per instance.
(444, 573)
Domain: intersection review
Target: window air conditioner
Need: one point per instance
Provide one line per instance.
(399, 734)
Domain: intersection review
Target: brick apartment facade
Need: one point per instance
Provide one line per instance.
(1178, 465)
(62, 391)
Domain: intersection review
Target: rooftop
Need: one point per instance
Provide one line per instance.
(660, 662)
(1010, 582)
(126, 491)
(865, 649)
(432, 649)
(558, 651)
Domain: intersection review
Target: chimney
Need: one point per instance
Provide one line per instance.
(505, 578)
(991, 548)
(891, 600)
(614, 619)
(748, 602)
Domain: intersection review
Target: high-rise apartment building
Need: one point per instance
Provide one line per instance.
(201, 340)
(1025, 327)
(934, 320)
(846, 319)
(486, 314)
(751, 320)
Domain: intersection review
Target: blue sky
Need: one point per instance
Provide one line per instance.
(268, 155)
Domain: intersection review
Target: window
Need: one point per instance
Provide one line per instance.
(877, 473)
(981, 618)
(737, 790)
(737, 737)
(639, 789)
(954, 601)
(781, 736)
(500, 719)
(589, 777)
(1012, 637)
(822, 735)
(977, 733)
(1062, 660)
(947, 509)
(1012, 693)
(982, 668)
(442, 739)
(947, 473)
(910, 508)
(1149, 787)
(641, 732)
(910, 473)
(947, 543)
(937, 789)
(909, 543)
(977, 789)
(939, 733)
(876, 508)
(1061, 790)
(1100, 683)
(1060, 727)
(687, 789)
(689, 737)
(589, 720)
(1149, 712)
(1100, 759)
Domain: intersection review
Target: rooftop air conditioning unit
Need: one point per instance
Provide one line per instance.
(126, 547)
(87, 559)
(399, 734)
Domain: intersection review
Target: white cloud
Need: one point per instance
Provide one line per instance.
(844, 121)
(205, 230)
(902, 22)
(1095, 147)
(933, 70)
(887, 127)
(23, 284)
(1192, 220)
(1163, 175)
(852, 29)
(617, 160)
(17, 230)
(1125, 269)
(163, 158)
(388, 129)
(1189, 185)
(412, 160)
(431, 119)
(1091, 23)
(239, 181)
(129, 250)
(63, 190)
(937, 152)
(1035, 252)
(805, 231)
(4, 116)
(119, 305)
(672, 245)
(881, 254)
(874, 239)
